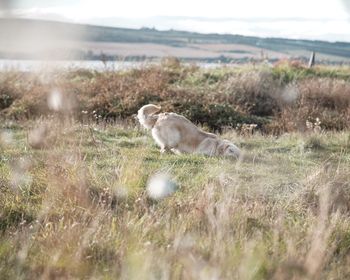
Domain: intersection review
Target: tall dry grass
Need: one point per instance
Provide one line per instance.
(76, 207)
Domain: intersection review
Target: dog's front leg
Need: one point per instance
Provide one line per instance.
(164, 149)
(176, 151)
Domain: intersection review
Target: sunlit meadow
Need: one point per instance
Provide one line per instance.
(80, 197)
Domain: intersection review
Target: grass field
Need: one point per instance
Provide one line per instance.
(77, 208)
(76, 170)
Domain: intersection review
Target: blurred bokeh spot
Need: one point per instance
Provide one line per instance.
(6, 7)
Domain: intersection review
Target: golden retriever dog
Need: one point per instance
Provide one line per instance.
(176, 133)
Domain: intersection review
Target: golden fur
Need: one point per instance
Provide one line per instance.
(176, 133)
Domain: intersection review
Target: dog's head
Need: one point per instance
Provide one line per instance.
(228, 149)
(144, 115)
(149, 109)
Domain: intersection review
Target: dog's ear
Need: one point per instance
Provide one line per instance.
(150, 109)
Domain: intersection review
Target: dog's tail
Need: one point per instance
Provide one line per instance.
(146, 115)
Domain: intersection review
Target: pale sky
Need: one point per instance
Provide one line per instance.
(304, 19)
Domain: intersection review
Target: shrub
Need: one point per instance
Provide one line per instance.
(325, 99)
(278, 99)
(254, 92)
(216, 116)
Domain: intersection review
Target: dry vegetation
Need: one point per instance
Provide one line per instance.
(278, 99)
(73, 203)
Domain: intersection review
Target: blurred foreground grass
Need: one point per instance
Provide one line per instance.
(77, 207)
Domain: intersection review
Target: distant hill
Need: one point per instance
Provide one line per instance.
(36, 39)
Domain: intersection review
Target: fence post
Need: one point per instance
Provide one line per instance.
(312, 60)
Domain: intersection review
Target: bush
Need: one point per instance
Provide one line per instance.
(254, 92)
(278, 99)
(216, 116)
(325, 99)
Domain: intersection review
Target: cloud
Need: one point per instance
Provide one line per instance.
(40, 13)
(270, 18)
(346, 4)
